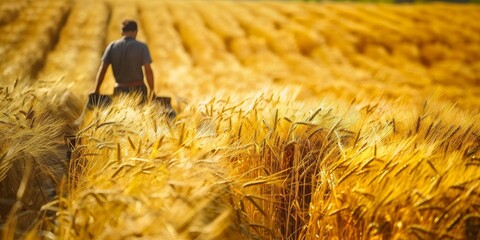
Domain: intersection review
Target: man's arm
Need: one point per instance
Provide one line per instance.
(149, 76)
(100, 76)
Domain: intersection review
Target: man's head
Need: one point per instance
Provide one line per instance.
(129, 28)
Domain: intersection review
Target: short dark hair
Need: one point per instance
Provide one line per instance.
(129, 25)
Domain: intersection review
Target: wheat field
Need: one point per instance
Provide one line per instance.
(295, 120)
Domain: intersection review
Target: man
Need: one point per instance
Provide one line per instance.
(127, 56)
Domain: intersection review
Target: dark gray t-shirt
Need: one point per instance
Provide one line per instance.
(127, 57)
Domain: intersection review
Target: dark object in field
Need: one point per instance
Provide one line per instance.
(165, 102)
(98, 100)
(472, 229)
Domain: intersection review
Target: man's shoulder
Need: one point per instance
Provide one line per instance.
(115, 42)
(119, 43)
(140, 43)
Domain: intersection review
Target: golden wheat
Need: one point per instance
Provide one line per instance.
(33, 124)
(296, 121)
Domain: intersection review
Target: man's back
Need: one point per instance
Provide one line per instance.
(127, 57)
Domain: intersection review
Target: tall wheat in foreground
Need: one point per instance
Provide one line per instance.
(33, 152)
